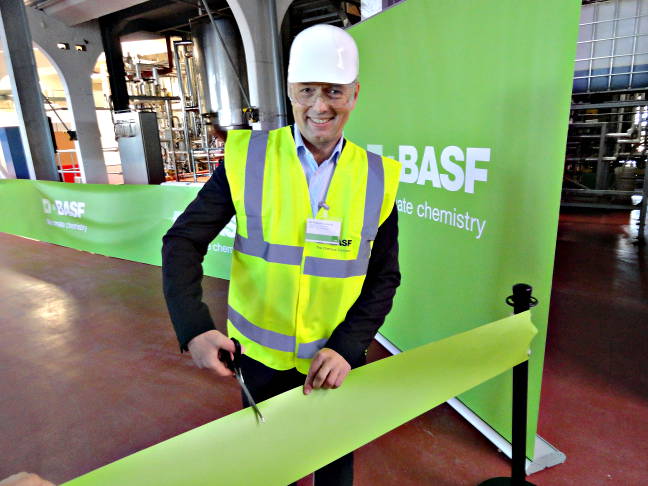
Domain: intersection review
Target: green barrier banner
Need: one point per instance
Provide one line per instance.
(473, 98)
(303, 433)
(126, 221)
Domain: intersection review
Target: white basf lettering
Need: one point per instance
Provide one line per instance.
(453, 168)
(407, 156)
(457, 171)
(74, 209)
(429, 170)
(474, 173)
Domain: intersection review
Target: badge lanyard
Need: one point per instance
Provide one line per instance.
(321, 228)
(324, 229)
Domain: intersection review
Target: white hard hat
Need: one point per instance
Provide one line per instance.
(323, 54)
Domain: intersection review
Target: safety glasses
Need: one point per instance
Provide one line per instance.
(335, 95)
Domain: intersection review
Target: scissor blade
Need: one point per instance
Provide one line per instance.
(250, 399)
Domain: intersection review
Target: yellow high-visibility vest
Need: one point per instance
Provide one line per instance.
(286, 294)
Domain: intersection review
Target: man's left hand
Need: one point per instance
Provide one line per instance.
(327, 370)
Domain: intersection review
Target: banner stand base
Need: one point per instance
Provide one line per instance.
(546, 455)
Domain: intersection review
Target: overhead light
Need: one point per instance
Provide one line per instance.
(63, 46)
(80, 47)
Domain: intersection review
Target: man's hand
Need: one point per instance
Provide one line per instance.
(204, 351)
(327, 370)
(25, 479)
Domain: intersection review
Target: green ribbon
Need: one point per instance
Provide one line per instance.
(303, 433)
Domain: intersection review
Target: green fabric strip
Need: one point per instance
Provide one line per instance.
(314, 237)
(303, 433)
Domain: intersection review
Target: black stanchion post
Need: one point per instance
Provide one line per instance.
(521, 301)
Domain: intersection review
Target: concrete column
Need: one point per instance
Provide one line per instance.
(88, 145)
(17, 45)
(257, 34)
(75, 69)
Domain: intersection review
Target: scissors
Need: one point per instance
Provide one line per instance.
(235, 366)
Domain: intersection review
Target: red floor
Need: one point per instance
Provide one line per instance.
(595, 390)
(91, 370)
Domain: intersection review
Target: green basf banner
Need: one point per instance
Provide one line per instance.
(473, 98)
(119, 221)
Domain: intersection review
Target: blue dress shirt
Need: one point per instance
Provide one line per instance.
(319, 176)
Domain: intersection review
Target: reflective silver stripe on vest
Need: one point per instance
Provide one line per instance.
(254, 244)
(324, 267)
(253, 194)
(265, 337)
(289, 255)
(272, 339)
(308, 350)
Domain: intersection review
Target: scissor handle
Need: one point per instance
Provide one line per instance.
(225, 357)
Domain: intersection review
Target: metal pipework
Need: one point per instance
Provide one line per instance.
(169, 112)
(219, 67)
(183, 102)
(138, 71)
(229, 57)
(277, 63)
(189, 79)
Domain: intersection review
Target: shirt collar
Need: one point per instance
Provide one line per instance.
(299, 142)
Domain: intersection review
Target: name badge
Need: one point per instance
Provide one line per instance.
(323, 231)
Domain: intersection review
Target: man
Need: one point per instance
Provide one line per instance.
(315, 261)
